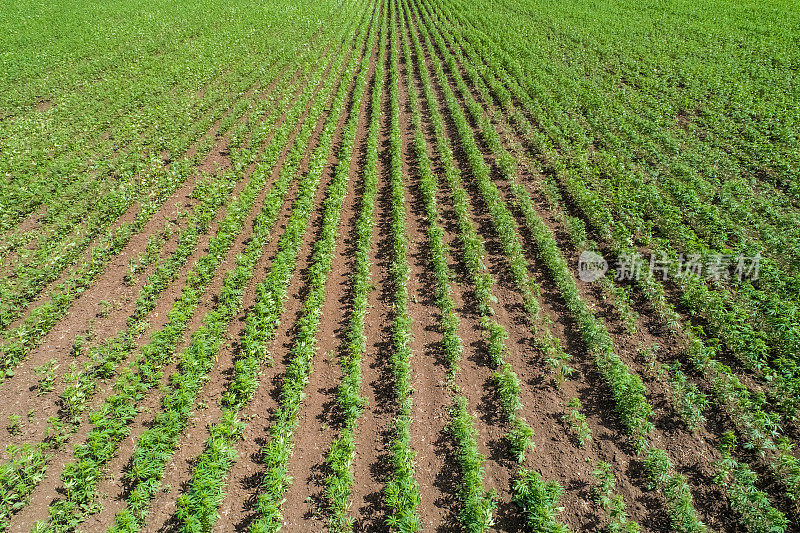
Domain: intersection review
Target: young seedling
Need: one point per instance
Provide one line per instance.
(561, 371)
(621, 297)
(77, 345)
(611, 503)
(577, 422)
(648, 354)
(689, 401)
(754, 507)
(14, 427)
(47, 376)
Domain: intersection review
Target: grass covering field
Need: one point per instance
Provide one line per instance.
(400, 265)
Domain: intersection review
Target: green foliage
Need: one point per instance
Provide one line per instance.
(680, 507)
(639, 148)
(273, 291)
(612, 504)
(626, 387)
(577, 422)
(47, 377)
(478, 504)
(539, 502)
(340, 456)
(616, 163)
(621, 296)
(690, 402)
(18, 477)
(753, 505)
(14, 426)
(118, 410)
(401, 492)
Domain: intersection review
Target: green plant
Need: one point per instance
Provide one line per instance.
(14, 427)
(690, 402)
(577, 422)
(650, 356)
(120, 406)
(47, 377)
(197, 509)
(680, 507)
(539, 502)
(401, 492)
(755, 509)
(612, 504)
(561, 371)
(77, 345)
(621, 297)
(340, 456)
(105, 309)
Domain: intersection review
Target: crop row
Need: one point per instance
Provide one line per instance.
(53, 256)
(647, 125)
(765, 347)
(505, 378)
(340, 456)
(106, 199)
(157, 444)
(478, 505)
(626, 387)
(528, 486)
(140, 107)
(746, 412)
(401, 491)
(197, 509)
(16, 481)
(112, 419)
(168, 270)
(27, 335)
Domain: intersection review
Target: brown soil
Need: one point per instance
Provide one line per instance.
(372, 433)
(116, 320)
(557, 456)
(236, 509)
(693, 453)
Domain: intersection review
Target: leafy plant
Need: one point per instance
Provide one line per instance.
(577, 422)
(539, 502)
(690, 402)
(612, 504)
(755, 509)
(47, 377)
(14, 426)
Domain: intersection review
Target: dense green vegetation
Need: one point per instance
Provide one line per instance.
(172, 175)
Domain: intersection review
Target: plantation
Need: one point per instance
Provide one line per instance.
(400, 265)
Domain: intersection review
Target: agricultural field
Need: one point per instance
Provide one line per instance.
(400, 265)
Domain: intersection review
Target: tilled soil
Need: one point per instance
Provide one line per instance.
(558, 456)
